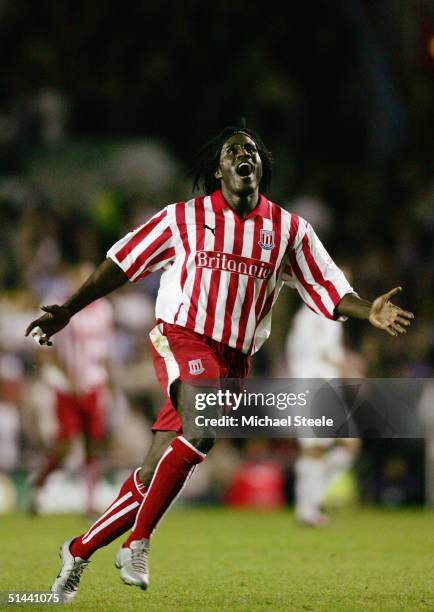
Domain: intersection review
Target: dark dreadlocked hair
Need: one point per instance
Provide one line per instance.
(207, 160)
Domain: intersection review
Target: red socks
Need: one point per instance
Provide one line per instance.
(118, 518)
(134, 502)
(169, 477)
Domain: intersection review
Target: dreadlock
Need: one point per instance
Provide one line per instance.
(207, 160)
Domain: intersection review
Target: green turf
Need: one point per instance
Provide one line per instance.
(214, 559)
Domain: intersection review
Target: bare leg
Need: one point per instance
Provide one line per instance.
(160, 442)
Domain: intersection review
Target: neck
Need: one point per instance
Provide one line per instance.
(241, 204)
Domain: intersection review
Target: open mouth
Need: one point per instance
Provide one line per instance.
(244, 169)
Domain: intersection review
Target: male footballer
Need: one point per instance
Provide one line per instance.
(225, 257)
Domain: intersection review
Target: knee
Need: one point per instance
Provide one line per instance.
(145, 474)
(204, 445)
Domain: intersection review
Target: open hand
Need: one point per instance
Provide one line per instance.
(387, 316)
(55, 318)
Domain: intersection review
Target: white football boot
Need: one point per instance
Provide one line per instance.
(133, 563)
(66, 583)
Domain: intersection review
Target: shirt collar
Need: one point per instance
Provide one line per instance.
(262, 209)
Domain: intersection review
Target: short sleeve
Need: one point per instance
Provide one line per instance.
(311, 270)
(146, 249)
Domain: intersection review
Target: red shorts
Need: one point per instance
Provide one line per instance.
(81, 414)
(182, 354)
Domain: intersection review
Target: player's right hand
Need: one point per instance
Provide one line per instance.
(55, 318)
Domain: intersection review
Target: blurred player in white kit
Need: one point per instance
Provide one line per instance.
(315, 349)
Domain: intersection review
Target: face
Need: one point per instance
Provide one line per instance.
(240, 166)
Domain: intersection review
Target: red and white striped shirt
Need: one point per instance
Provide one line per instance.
(83, 346)
(222, 274)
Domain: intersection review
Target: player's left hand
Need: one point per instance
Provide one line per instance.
(389, 317)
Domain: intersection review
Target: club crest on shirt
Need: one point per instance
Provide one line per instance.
(195, 367)
(266, 239)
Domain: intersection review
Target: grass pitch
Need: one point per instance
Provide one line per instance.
(216, 559)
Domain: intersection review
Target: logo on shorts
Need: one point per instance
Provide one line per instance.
(266, 239)
(195, 367)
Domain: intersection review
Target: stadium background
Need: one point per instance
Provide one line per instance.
(102, 107)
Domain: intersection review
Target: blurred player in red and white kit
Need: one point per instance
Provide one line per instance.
(77, 372)
(315, 349)
(225, 257)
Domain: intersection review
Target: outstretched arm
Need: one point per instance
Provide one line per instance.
(380, 313)
(106, 278)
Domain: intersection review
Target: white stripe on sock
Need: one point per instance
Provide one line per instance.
(110, 520)
(114, 505)
(138, 484)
